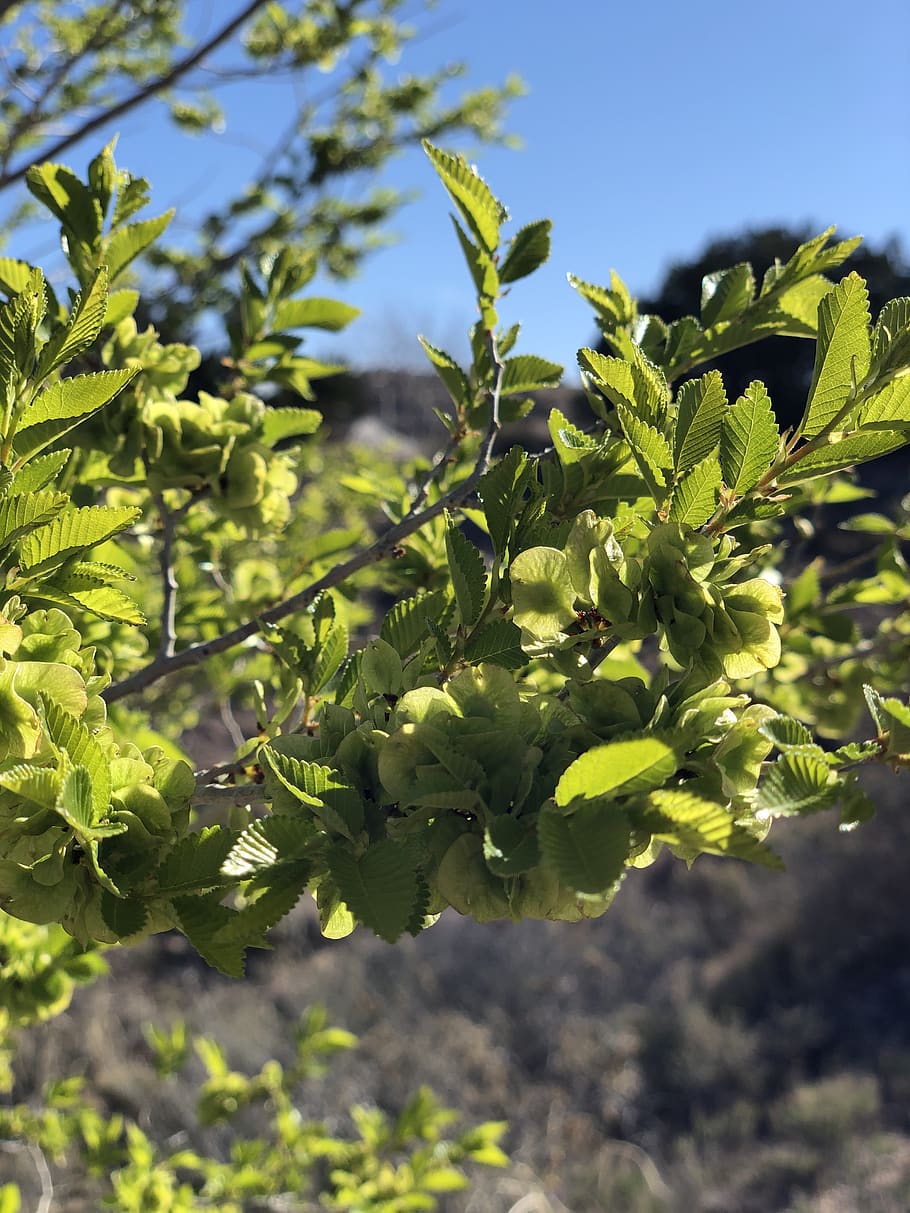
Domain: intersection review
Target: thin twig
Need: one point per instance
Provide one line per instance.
(226, 793)
(45, 1179)
(229, 720)
(436, 468)
(167, 645)
(136, 98)
(382, 547)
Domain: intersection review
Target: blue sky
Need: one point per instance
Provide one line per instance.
(647, 128)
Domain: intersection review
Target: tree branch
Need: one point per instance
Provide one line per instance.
(68, 63)
(137, 98)
(195, 654)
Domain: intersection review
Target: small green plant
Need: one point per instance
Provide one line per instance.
(391, 1164)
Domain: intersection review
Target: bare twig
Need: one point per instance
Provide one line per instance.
(229, 794)
(437, 467)
(168, 642)
(46, 1180)
(384, 546)
(160, 84)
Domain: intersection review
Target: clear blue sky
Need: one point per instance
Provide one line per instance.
(647, 128)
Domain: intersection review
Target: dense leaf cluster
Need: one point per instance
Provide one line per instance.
(604, 665)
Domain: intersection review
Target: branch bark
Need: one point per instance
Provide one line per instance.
(136, 98)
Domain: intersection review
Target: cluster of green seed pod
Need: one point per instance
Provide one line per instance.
(677, 585)
(83, 818)
(703, 615)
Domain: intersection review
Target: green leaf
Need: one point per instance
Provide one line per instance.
(889, 408)
(483, 213)
(120, 304)
(14, 275)
(845, 453)
(449, 372)
(749, 439)
(25, 512)
(501, 491)
(104, 601)
(619, 767)
(528, 249)
(701, 405)
(569, 442)
(74, 530)
(128, 242)
(510, 845)
(37, 785)
(37, 473)
(202, 919)
(498, 642)
(810, 259)
(54, 681)
(725, 295)
(66, 197)
(696, 824)
(381, 669)
(63, 405)
(249, 926)
(332, 652)
(379, 887)
(195, 862)
(649, 448)
(613, 304)
(334, 802)
(71, 736)
(891, 337)
(695, 496)
(316, 313)
(469, 576)
(82, 329)
(587, 850)
(634, 382)
(125, 916)
(795, 312)
(481, 265)
(785, 732)
(405, 625)
(528, 373)
(278, 424)
(797, 783)
(75, 802)
(842, 353)
(265, 844)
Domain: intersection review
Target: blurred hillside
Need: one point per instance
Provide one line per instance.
(725, 1040)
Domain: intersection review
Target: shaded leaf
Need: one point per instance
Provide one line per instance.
(587, 850)
(528, 249)
(469, 575)
(380, 887)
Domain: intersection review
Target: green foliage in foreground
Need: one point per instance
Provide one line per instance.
(394, 1164)
(629, 662)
